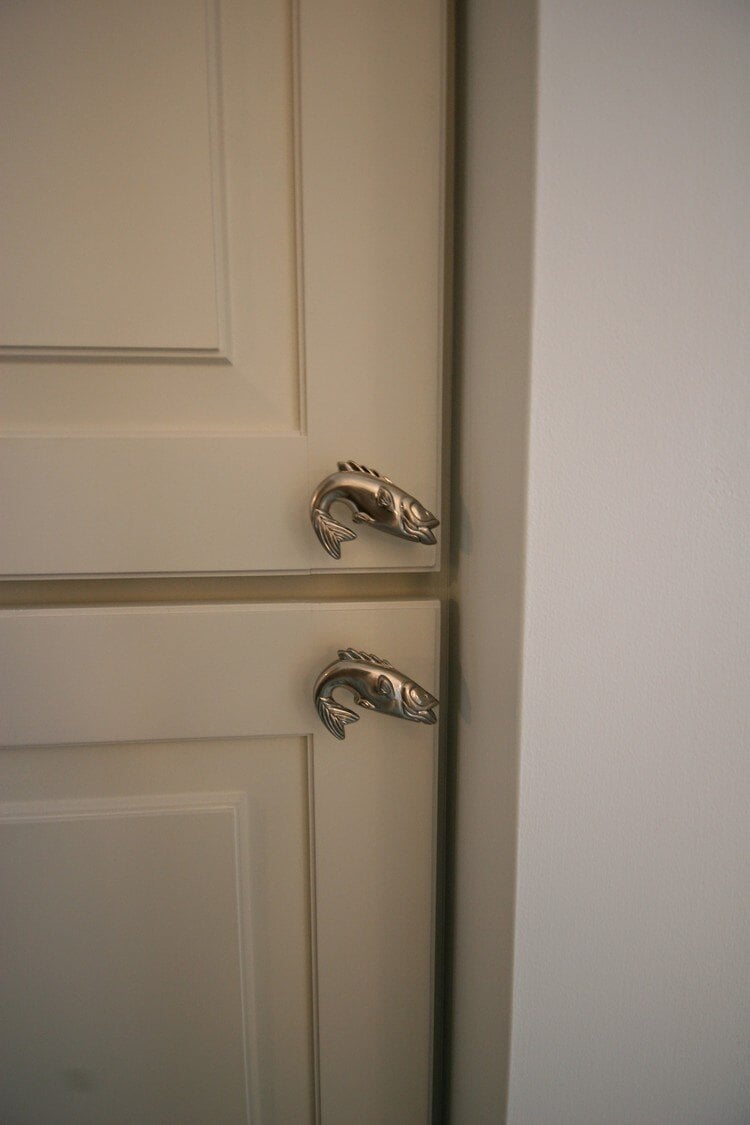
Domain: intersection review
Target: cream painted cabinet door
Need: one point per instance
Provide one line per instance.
(213, 911)
(220, 234)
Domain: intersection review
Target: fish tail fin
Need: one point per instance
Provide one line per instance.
(330, 533)
(334, 716)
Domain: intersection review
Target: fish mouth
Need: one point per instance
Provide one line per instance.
(422, 715)
(420, 531)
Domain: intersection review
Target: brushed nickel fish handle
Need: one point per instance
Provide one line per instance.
(376, 686)
(374, 500)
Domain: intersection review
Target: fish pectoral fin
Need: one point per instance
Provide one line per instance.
(365, 703)
(335, 717)
(331, 533)
(362, 517)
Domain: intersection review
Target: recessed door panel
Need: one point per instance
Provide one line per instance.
(137, 922)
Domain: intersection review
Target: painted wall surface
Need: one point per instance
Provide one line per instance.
(630, 998)
(631, 995)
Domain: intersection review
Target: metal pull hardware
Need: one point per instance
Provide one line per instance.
(374, 500)
(376, 686)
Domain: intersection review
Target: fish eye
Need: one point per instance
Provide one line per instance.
(384, 686)
(417, 697)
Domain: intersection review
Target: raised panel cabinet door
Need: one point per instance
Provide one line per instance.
(221, 235)
(213, 910)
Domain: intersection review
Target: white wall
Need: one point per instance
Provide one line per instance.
(632, 981)
(631, 996)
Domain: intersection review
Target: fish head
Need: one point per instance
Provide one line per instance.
(405, 515)
(417, 703)
(417, 521)
(393, 694)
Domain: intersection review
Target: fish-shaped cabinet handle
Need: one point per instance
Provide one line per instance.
(376, 686)
(374, 500)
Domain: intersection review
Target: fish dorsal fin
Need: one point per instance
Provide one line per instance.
(363, 657)
(353, 467)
